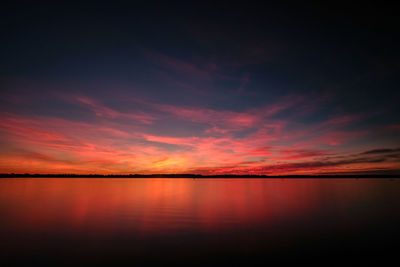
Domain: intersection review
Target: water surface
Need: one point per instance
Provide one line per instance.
(205, 221)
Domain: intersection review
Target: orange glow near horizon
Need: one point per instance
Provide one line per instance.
(248, 142)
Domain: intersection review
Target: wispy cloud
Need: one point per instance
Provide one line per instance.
(381, 151)
(103, 111)
(255, 140)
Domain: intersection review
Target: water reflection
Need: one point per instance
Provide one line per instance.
(154, 206)
(92, 210)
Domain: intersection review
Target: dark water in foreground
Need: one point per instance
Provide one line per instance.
(198, 221)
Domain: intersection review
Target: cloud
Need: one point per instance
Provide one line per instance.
(301, 154)
(381, 151)
(224, 121)
(338, 138)
(258, 140)
(306, 167)
(103, 111)
(177, 65)
(244, 82)
(395, 127)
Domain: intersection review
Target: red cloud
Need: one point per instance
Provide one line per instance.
(249, 141)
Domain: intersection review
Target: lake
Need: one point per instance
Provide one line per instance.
(235, 222)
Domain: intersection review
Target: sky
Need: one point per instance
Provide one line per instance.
(201, 88)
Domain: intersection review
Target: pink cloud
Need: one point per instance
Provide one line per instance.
(28, 129)
(300, 154)
(102, 111)
(249, 141)
(223, 121)
(343, 120)
(228, 119)
(337, 138)
(395, 127)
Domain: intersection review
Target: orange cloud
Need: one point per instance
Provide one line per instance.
(251, 141)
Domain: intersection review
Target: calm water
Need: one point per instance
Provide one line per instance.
(197, 221)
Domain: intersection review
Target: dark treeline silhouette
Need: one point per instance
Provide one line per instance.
(185, 175)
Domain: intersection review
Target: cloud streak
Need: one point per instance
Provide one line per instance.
(257, 140)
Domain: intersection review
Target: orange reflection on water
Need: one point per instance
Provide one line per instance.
(164, 206)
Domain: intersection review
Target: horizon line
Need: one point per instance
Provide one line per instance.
(190, 175)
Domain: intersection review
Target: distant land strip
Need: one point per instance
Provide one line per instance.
(186, 175)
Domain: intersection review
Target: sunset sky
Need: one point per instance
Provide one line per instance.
(203, 89)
